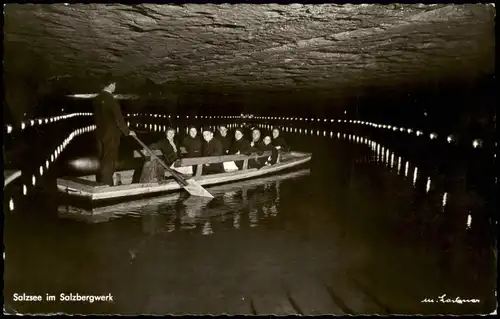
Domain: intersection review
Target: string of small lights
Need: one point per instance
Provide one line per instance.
(451, 139)
(52, 159)
(46, 120)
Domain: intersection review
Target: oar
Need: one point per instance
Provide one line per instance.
(190, 185)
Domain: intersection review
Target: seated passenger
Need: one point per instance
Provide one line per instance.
(278, 141)
(268, 146)
(168, 147)
(191, 145)
(211, 147)
(256, 143)
(224, 139)
(257, 146)
(152, 170)
(240, 146)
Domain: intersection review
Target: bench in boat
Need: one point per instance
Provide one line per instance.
(88, 188)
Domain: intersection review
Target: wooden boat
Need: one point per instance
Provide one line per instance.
(193, 206)
(86, 187)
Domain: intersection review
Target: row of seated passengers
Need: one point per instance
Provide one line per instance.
(220, 144)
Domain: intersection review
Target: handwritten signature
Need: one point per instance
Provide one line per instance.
(444, 299)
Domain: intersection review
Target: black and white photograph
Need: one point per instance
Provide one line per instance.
(245, 158)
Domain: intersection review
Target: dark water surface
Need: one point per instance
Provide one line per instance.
(351, 232)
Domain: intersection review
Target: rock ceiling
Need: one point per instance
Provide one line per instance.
(251, 46)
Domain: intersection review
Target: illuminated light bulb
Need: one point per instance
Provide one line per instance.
(32, 122)
(51, 157)
(399, 165)
(40, 122)
(392, 160)
(394, 129)
(317, 132)
(33, 180)
(407, 166)
(331, 134)
(445, 199)
(9, 129)
(47, 164)
(23, 126)
(477, 143)
(415, 175)
(46, 121)
(11, 204)
(409, 131)
(433, 136)
(25, 190)
(324, 133)
(450, 139)
(419, 133)
(469, 220)
(402, 129)
(344, 135)
(128, 123)
(428, 186)
(41, 170)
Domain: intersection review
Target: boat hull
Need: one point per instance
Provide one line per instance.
(82, 188)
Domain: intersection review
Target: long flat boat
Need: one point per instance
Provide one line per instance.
(87, 188)
(193, 205)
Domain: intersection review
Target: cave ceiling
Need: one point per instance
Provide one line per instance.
(232, 48)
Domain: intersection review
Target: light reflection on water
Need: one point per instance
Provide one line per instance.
(259, 197)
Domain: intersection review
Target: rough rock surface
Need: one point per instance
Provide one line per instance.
(253, 46)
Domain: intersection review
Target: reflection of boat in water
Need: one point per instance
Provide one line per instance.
(86, 187)
(184, 212)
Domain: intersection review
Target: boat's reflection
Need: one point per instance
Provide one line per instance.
(258, 199)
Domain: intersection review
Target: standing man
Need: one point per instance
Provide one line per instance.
(110, 125)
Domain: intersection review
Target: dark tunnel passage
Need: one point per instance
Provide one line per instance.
(396, 212)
